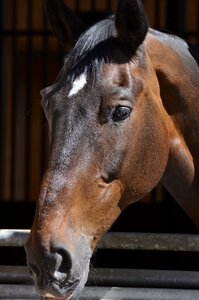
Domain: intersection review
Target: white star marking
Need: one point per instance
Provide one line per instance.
(78, 84)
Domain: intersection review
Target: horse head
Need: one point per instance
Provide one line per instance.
(107, 142)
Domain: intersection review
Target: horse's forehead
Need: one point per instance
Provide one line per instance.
(111, 73)
(125, 77)
(115, 72)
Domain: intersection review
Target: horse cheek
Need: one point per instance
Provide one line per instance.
(147, 158)
(103, 211)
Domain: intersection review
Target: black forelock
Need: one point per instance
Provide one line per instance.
(93, 48)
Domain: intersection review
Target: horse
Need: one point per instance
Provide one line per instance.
(123, 115)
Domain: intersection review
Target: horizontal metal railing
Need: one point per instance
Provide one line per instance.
(116, 277)
(105, 293)
(109, 284)
(120, 240)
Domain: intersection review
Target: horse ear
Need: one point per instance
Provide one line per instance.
(131, 23)
(64, 23)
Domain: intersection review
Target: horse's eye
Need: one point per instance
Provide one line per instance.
(120, 113)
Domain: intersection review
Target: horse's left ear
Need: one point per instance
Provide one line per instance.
(131, 23)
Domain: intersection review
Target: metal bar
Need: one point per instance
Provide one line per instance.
(102, 293)
(116, 277)
(157, 14)
(28, 91)
(197, 15)
(14, 275)
(45, 70)
(13, 238)
(143, 278)
(9, 291)
(93, 5)
(77, 5)
(108, 6)
(150, 241)
(14, 101)
(121, 240)
(2, 95)
(176, 15)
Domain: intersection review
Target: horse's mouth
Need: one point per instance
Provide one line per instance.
(64, 289)
(56, 290)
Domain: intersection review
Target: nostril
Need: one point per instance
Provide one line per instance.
(62, 264)
(66, 263)
(33, 269)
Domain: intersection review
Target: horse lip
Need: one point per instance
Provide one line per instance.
(67, 283)
(56, 288)
(65, 287)
(69, 287)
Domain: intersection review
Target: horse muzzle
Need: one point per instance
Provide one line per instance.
(56, 270)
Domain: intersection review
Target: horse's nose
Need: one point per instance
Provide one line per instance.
(57, 263)
(33, 268)
(60, 263)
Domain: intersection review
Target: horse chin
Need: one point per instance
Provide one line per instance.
(71, 289)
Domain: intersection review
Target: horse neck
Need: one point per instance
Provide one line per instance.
(176, 69)
(178, 76)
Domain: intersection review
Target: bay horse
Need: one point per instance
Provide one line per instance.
(123, 115)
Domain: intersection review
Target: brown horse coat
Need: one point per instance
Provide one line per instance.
(123, 115)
